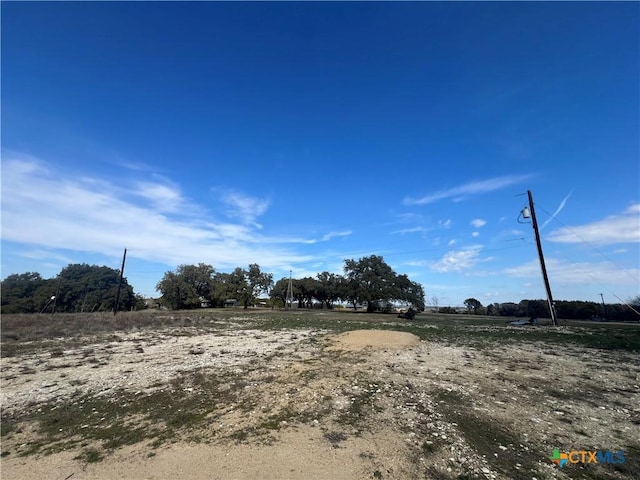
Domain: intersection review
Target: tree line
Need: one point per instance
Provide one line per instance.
(193, 286)
(77, 288)
(569, 310)
(368, 281)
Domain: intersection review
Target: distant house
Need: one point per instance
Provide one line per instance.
(152, 303)
(232, 302)
(204, 303)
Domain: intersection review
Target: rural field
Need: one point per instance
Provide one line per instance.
(316, 394)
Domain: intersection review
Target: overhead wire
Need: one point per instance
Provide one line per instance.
(593, 247)
(385, 255)
(589, 274)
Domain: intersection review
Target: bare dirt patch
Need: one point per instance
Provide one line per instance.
(244, 400)
(361, 339)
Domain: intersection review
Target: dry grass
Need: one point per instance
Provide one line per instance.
(496, 397)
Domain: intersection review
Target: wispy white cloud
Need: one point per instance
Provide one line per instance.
(475, 234)
(331, 235)
(404, 231)
(621, 228)
(417, 263)
(310, 241)
(244, 207)
(478, 223)
(44, 254)
(458, 260)
(578, 273)
(163, 198)
(408, 217)
(472, 188)
(43, 209)
(136, 166)
(558, 210)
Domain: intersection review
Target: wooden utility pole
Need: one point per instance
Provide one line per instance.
(552, 309)
(124, 257)
(604, 307)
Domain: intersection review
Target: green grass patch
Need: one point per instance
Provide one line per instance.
(91, 455)
(125, 418)
(362, 405)
(23, 334)
(485, 435)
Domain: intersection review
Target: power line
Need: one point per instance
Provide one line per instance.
(592, 247)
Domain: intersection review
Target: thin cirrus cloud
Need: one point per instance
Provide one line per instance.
(324, 238)
(468, 189)
(328, 236)
(615, 229)
(41, 209)
(404, 231)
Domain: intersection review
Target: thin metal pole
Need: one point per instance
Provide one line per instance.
(124, 257)
(552, 310)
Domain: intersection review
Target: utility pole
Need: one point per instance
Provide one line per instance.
(124, 257)
(604, 307)
(289, 300)
(57, 295)
(552, 309)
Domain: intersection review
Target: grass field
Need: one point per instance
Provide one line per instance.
(476, 398)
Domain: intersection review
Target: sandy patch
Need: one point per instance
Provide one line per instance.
(361, 339)
(300, 453)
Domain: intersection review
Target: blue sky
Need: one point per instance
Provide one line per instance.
(295, 135)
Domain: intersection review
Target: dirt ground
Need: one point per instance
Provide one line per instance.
(309, 404)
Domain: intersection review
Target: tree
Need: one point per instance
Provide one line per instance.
(350, 290)
(85, 288)
(259, 282)
(434, 302)
(408, 291)
(78, 288)
(508, 309)
(200, 277)
(533, 308)
(327, 289)
(473, 305)
(239, 287)
(176, 292)
(371, 280)
(279, 291)
(245, 286)
(19, 293)
(187, 287)
(304, 290)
